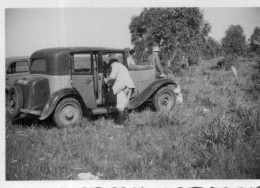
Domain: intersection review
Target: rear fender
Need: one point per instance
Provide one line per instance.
(55, 98)
(7, 88)
(149, 91)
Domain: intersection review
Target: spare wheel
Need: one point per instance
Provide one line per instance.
(14, 101)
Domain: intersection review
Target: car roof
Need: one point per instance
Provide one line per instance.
(57, 61)
(66, 50)
(15, 58)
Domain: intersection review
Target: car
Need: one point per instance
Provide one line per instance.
(15, 68)
(68, 83)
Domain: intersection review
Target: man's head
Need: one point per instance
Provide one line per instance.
(111, 61)
(131, 52)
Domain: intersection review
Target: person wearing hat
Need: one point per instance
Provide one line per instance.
(130, 59)
(122, 88)
(154, 60)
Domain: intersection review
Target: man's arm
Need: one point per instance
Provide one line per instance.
(112, 75)
(114, 71)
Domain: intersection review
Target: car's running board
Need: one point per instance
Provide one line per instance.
(103, 110)
(34, 112)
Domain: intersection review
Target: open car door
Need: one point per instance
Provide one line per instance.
(82, 77)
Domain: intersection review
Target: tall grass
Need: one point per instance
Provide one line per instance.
(214, 134)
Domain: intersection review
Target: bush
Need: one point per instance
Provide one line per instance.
(258, 65)
(234, 42)
(227, 62)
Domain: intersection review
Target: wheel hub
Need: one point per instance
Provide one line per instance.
(164, 100)
(12, 103)
(12, 100)
(68, 113)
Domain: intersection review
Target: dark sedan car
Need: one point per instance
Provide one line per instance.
(15, 68)
(67, 83)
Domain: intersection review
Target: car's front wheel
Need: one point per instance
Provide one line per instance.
(68, 113)
(164, 99)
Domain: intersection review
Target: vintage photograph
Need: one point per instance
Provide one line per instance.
(132, 93)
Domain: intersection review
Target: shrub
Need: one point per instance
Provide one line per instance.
(227, 62)
(234, 42)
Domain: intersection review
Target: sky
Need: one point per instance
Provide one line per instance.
(27, 30)
(221, 18)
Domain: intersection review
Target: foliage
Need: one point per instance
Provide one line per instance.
(212, 49)
(255, 46)
(233, 45)
(227, 62)
(255, 41)
(234, 42)
(172, 29)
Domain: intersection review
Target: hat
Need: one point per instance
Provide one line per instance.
(112, 61)
(156, 49)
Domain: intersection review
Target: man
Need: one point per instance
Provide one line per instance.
(154, 60)
(122, 88)
(130, 59)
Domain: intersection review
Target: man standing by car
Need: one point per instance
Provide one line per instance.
(122, 88)
(154, 60)
(130, 59)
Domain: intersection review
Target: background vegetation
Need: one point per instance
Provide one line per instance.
(214, 134)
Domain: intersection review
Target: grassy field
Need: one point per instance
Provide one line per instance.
(214, 134)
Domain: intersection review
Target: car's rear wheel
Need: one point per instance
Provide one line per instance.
(14, 101)
(164, 99)
(68, 113)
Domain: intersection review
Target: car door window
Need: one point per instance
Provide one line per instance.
(82, 63)
(18, 67)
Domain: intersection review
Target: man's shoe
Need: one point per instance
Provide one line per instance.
(126, 114)
(120, 117)
(127, 120)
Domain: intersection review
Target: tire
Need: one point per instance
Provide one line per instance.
(68, 113)
(164, 99)
(14, 101)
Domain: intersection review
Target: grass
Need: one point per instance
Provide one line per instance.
(214, 134)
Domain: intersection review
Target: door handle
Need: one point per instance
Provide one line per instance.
(88, 81)
(6, 78)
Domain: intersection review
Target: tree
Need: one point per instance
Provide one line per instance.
(234, 42)
(255, 41)
(172, 29)
(255, 46)
(211, 49)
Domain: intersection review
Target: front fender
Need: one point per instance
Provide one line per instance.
(54, 99)
(149, 91)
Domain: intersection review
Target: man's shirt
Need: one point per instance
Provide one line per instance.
(122, 77)
(154, 60)
(130, 61)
